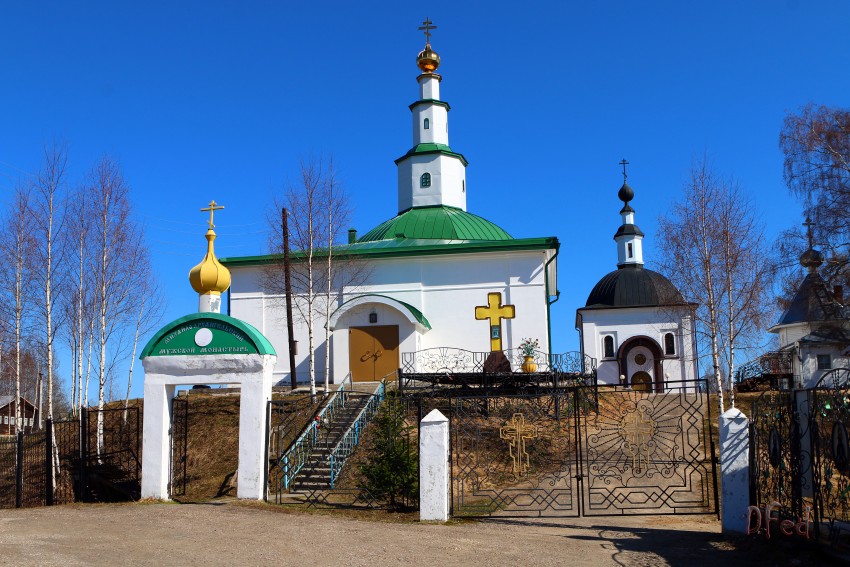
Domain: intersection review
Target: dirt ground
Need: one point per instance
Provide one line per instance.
(231, 533)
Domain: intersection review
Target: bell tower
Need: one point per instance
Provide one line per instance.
(430, 173)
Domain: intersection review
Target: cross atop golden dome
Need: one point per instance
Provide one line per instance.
(210, 277)
(428, 60)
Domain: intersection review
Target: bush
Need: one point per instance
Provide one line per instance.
(391, 469)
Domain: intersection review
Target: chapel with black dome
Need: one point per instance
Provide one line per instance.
(635, 322)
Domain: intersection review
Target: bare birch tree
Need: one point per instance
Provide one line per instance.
(48, 216)
(713, 249)
(319, 211)
(118, 255)
(148, 314)
(17, 248)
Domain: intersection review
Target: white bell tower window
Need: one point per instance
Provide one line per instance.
(427, 124)
(425, 180)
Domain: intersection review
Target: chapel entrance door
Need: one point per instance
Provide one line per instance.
(372, 352)
(641, 364)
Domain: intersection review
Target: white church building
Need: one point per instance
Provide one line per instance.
(635, 322)
(438, 275)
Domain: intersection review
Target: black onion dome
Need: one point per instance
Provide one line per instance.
(811, 258)
(633, 286)
(626, 193)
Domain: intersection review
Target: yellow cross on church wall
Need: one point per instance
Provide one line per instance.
(494, 311)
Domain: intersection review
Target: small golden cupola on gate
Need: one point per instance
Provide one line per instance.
(210, 278)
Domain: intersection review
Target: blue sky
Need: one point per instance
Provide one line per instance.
(220, 100)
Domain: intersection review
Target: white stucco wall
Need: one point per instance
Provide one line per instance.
(448, 182)
(627, 323)
(445, 288)
(438, 124)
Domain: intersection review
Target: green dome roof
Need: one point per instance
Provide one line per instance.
(439, 223)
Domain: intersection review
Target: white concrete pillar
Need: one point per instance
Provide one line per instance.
(434, 467)
(254, 398)
(156, 440)
(734, 470)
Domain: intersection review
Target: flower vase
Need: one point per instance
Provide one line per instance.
(528, 365)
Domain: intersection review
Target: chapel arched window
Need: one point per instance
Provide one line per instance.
(608, 346)
(425, 180)
(427, 124)
(669, 344)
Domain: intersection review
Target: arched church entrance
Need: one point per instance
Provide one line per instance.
(640, 362)
(369, 332)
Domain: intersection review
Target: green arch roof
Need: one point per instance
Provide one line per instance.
(438, 223)
(260, 343)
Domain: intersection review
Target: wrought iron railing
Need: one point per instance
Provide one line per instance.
(454, 360)
(351, 438)
(770, 364)
(294, 459)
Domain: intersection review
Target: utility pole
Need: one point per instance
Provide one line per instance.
(288, 286)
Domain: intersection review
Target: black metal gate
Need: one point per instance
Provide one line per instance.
(583, 451)
(515, 455)
(775, 452)
(830, 446)
(179, 446)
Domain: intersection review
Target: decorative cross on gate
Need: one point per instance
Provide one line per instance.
(494, 311)
(637, 430)
(212, 208)
(517, 432)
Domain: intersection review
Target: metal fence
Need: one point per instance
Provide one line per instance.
(68, 461)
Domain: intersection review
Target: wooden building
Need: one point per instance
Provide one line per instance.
(29, 415)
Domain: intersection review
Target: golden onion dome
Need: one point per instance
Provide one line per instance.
(428, 60)
(210, 277)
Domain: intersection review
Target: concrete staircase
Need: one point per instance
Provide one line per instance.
(316, 473)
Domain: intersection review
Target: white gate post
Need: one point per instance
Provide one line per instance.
(156, 438)
(734, 470)
(434, 467)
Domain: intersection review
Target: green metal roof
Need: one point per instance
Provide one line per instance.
(436, 223)
(417, 314)
(432, 148)
(176, 333)
(397, 247)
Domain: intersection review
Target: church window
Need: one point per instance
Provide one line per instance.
(824, 362)
(608, 347)
(425, 180)
(427, 124)
(669, 344)
(463, 186)
(629, 247)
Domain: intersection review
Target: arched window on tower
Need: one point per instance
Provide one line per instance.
(669, 344)
(608, 347)
(427, 124)
(425, 180)
(629, 247)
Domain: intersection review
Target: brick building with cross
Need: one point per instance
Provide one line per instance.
(438, 275)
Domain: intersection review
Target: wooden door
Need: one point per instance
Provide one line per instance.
(372, 352)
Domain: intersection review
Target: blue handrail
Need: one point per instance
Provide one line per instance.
(351, 438)
(299, 453)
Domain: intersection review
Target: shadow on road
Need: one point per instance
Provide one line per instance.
(631, 546)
